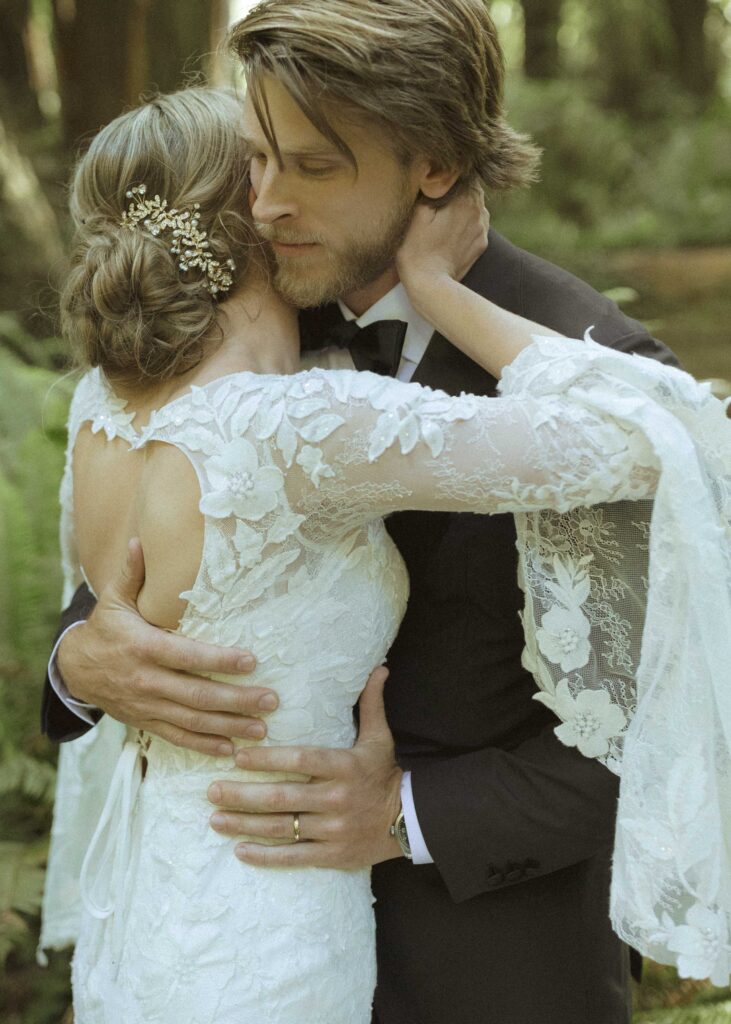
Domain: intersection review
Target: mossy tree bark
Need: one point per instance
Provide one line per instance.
(19, 97)
(696, 67)
(542, 24)
(110, 52)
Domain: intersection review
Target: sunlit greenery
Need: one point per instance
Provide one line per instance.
(605, 184)
(33, 404)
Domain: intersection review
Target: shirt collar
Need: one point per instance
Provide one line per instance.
(396, 305)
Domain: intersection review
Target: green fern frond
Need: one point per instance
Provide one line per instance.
(33, 410)
(16, 547)
(27, 775)
(45, 352)
(21, 890)
(31, 398)
(40, 466)
(21, 876)
(13, 930)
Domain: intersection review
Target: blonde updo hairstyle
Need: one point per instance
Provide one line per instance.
(126, 306)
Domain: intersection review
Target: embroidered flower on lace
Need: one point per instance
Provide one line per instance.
(589, 720)
(701, 944)
(113, 420)
(249, 545)
(222, 571)
(563, 637)
(310, 459)
(284, 526)
(241, 487)
(641, 451)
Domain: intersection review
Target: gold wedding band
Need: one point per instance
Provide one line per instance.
(296, 827)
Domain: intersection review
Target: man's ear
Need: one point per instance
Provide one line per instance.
(435, 181)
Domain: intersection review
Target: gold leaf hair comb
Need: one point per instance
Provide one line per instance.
(189, 242)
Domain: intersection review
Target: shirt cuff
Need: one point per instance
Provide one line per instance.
(86, 712)
(419, 852)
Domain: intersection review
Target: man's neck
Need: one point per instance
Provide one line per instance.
(362, 299)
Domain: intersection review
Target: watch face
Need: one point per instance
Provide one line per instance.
(398, 829)
(403, 836)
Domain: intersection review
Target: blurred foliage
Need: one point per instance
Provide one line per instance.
(33, 406)
(606, 185)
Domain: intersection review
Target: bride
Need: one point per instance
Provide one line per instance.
(258, 493)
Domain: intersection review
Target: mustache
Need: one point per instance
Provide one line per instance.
(273, 234)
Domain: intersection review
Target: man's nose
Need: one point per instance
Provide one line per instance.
(272, 199)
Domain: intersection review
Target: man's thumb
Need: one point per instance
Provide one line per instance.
(373, 722)
(133, 573)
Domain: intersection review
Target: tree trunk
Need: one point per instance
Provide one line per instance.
(542, 23)
(19, 98)
(694, 67)
(220, 63)
(92, 57)
(633, 42)
(24, 203)
(185, 28)
(110, 52)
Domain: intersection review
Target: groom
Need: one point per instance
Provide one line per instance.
(490, 840)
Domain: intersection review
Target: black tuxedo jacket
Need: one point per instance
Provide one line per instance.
(510, 925)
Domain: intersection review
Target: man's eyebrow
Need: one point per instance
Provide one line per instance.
(316, 150)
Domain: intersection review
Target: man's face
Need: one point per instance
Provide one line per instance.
(333, 231)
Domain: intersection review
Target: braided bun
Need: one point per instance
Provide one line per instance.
(126, 305)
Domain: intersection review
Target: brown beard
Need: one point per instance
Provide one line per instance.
(345, 271)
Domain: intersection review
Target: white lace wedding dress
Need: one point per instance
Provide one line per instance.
(295, 474)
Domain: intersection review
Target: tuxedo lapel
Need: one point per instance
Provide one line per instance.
(448, 369)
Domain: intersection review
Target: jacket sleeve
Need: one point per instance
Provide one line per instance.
(58, 722)
(493, 817)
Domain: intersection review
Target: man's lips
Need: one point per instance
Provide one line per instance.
(293, 249)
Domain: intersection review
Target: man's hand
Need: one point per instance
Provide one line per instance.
(345, 810)
(149, 678)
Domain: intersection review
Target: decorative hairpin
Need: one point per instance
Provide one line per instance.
(190, 243)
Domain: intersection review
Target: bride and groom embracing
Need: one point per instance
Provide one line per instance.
(227, 879)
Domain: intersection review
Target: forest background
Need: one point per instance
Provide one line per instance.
(631, 100)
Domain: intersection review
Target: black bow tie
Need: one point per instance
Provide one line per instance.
(376, 347)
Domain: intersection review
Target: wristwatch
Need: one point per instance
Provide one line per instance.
(398, 829)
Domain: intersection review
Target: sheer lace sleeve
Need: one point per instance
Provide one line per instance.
(357, 446)
(671, 869)
(324, 452)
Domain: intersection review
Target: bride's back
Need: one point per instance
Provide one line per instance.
(162, 233)
(152, 494)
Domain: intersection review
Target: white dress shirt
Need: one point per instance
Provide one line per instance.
(395, 305)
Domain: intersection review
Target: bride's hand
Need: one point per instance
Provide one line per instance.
(442, 243)
(439, 249)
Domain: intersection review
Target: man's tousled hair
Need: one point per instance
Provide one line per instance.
(431, 72)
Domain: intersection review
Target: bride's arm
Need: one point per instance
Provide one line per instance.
(439, 248)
